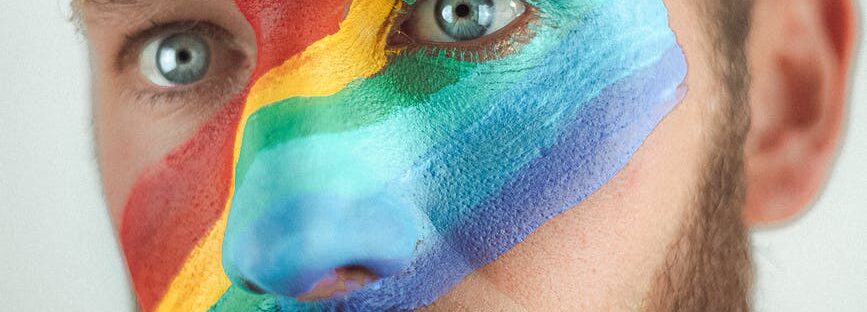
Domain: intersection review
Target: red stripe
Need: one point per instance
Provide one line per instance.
(175, 203)
(285, 28)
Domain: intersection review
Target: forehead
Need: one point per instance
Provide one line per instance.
(131, 11)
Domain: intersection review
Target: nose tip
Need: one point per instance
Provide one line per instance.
(294, 245)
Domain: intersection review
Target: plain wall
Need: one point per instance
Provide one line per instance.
(57, 251)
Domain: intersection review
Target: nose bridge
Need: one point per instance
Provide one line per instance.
(309, 206)
(356, 50)
(303, 204)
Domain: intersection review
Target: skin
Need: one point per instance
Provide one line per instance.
(607, 253)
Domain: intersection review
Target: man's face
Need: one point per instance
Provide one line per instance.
(377, 154)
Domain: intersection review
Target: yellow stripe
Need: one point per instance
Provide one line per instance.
(357, 50)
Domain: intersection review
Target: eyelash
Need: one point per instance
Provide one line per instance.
(216, 86)
(136, 41)
(213, 87)
(497, 45)
(494, 46)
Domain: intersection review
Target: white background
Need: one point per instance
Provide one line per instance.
(57, 252)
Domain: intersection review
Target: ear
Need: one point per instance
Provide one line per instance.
(799, 53)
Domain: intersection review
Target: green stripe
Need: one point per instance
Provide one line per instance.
(363, 102)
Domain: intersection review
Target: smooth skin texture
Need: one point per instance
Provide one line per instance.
(606, 253)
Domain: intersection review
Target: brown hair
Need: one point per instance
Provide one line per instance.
(709, 268)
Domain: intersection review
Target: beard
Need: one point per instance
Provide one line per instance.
(708, 265)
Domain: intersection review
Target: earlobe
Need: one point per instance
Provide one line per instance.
(799, 52)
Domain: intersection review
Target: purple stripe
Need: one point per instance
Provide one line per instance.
(597, 145)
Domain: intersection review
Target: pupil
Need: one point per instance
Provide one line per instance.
(465, 19)
(184, 56)
(462, 10)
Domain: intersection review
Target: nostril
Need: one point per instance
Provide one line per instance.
(340, 282)
(252, 287)
(318, 246)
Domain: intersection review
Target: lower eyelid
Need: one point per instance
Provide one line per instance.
(205, 97)
(499, 44)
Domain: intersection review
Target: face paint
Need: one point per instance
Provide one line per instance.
(174, 207)
(417, 165)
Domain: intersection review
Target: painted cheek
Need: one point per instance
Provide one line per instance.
(476, 156)
(355, 50)
(467, 159)
(174, 204)
(430, 166)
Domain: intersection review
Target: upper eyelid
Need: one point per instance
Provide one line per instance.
(219, 83)
(135, 42)
(487, 47)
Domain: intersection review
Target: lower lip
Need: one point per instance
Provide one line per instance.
(339, 283)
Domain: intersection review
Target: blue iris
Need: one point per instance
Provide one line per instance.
(183, 58)
(465, 19)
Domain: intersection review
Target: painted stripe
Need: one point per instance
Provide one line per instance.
(285, 28)
(535, 137)
(360, 42)
(163, 222)
(606, 121)
(170, 209)
(356, 51)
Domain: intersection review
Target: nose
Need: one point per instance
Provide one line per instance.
(304, 210)
(303, 240)
(313, 193)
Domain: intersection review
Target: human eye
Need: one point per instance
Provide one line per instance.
(175, 59)
(185, 64)
(484, 27)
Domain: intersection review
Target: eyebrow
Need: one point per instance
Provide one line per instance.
(104, 6)
(114, 11)
(104, 3)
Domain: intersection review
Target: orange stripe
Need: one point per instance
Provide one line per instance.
(358, 50)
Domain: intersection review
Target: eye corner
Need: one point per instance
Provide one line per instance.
(227, 67)
(497, 44)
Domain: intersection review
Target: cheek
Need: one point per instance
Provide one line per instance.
(131, 137)
(174, 203)
(609, 248)
(452, 162)
(178, 194)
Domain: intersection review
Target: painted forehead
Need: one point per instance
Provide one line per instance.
(418, 161)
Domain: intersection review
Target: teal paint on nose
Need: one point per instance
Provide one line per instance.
(310, 206)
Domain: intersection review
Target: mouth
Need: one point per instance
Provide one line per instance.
(339, 283)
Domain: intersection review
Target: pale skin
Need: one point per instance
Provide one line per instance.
(604, 254)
